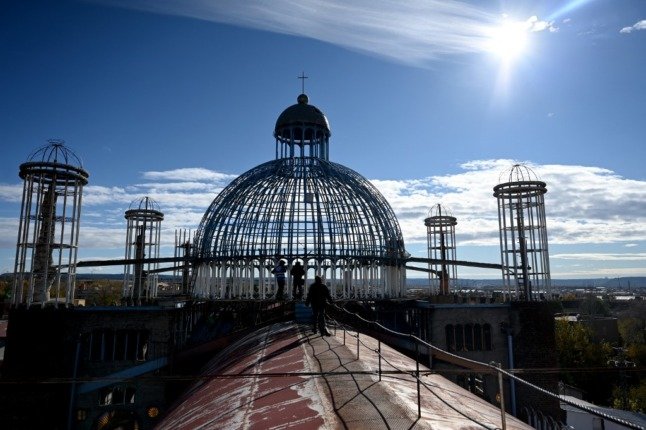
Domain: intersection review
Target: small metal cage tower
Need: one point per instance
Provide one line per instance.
(440, 231)
(46, 252)
(140, 279)
(523, 233)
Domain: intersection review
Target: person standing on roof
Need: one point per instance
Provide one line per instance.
(318, 295)
(297, 273)
(279, 272)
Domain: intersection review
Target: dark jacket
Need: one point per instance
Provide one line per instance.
(297, 272)
(318, 295)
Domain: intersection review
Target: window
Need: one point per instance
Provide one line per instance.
(468, 337)
(108, 345)
(486, 334)
(459, 337)
(477, 337)
(117, 395)
(450, 337)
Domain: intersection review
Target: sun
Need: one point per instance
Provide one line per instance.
(509, 40)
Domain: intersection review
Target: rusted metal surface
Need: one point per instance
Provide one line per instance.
(284, 377)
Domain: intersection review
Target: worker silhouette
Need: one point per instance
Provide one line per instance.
(318, 295)
(297, 273)
(279, 272)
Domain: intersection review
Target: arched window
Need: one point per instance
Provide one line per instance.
(450, 337)
(477, 337)
(486, 334)
(459, 337)
(468, 337)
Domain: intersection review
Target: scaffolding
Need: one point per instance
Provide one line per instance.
(440, 233)
(300, 206)
(48, 230)
(523, 234)
(140, 278)
(181, 265)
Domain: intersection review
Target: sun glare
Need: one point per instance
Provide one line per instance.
(509, 40)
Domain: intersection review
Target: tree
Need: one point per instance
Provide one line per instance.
(592, 305)
(579, 357)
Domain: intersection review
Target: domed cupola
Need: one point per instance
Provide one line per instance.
(300, 206)
(302, 130)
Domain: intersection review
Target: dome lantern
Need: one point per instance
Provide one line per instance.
(302, 130)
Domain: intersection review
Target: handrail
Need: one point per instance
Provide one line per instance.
(486, 368)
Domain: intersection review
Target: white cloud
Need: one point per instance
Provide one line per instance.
(189, 174)
(11, 192)
(99, 195)
(639, 25)
(534, 24)
(588, 256)
(584, 205)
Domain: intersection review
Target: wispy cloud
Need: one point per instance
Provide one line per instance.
(600, 257)
(189, 174)
(11, 192)
(640, 25)
(412, 32)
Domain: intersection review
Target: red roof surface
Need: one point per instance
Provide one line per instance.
(283, 377)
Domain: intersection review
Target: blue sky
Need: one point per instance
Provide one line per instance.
(431, 100)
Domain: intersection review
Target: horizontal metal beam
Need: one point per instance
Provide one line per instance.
(453, 263)
(123, 262)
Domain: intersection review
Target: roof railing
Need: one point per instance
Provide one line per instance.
(490, 368)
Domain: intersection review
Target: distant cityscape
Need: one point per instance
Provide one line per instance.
(621, 284)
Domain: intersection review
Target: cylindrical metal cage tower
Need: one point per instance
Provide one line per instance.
(523, 234)
(300, 206)
(440, 233)
(46, 252)
(140, 279)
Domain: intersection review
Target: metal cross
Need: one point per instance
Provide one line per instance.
(302, 77)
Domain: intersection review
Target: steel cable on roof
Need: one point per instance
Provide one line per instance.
(457, 360)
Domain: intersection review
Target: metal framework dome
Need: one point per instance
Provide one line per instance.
(300, 206)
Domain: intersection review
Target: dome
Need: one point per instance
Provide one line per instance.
(54, 163)
(144, 209)
(522, 182)
(300, 206)
(302, 114)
